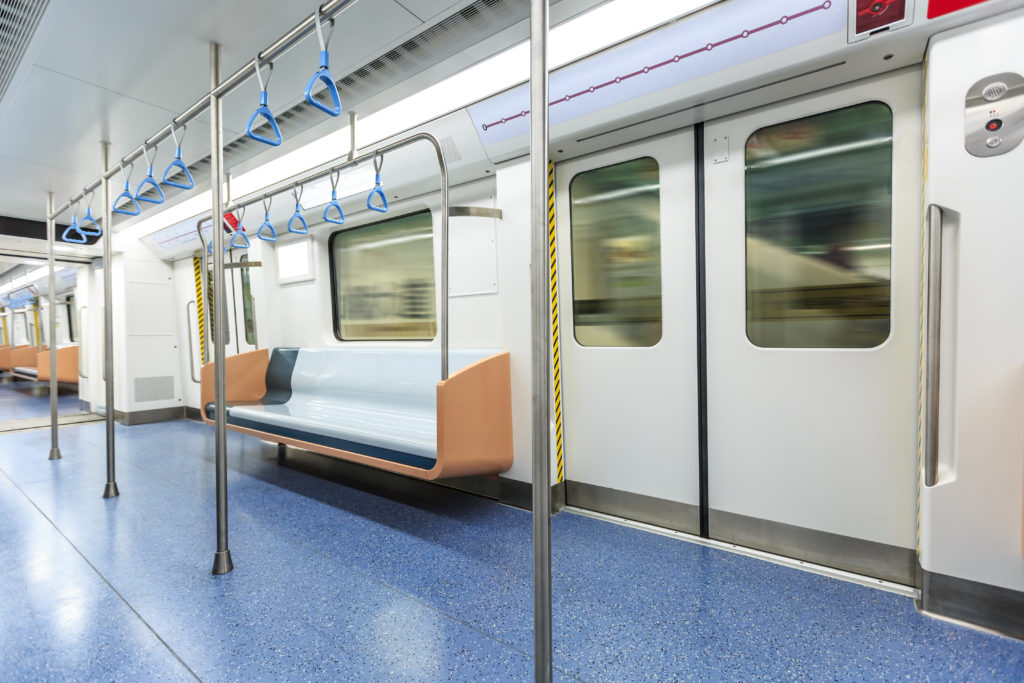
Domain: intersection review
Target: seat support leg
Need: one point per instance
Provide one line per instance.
(282, 449)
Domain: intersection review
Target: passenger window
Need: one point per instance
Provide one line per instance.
(616, 254)
(819, 230)
(384, 280)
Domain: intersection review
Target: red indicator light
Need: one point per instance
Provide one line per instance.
(937, 8)
(994, 125)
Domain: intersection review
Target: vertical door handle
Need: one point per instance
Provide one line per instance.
(191, 346)
(81, 341)
(933, 345)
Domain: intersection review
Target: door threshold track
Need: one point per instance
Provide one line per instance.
(831, 572)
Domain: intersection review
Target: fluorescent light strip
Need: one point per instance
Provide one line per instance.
(590, 32)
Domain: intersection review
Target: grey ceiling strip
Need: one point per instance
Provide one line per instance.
(19, 20)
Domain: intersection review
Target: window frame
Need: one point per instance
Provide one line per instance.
(336, 314)
(892, 227)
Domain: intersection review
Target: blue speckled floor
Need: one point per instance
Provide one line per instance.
(17, 401)
(339, 583)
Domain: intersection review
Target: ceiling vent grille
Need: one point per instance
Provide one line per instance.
(18, 22)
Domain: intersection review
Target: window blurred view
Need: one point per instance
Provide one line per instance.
(819, 230)
(616, 255)
(384, 279)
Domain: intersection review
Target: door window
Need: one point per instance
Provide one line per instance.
(819, 230)
(616, 254)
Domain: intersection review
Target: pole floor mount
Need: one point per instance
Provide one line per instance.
(222, 563)
(55, 453)
(110, 490)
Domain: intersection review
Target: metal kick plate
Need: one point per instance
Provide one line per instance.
(994, 115)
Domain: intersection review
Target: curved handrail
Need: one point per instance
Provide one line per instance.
(323, 74)
(263, 110)
(443, 172)
(127, 194)
(334, 204)
(377, 191)
(178, 164)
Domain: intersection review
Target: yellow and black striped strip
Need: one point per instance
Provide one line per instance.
(557, 374)
(35, 316)
(197, 270)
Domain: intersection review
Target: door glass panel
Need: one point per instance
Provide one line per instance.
(384, 280)
(819, 230)
(616, 254)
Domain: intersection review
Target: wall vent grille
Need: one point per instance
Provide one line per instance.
(154, 389)
(18, 22)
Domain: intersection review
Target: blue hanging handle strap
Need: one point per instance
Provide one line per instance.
(178, 164)
(378, 163)
(333, 204)
(134, 208)
(323, 74)
(239, 240)
(263, 111)
(89, 226)
(73, 233)
(266, 231)
(297, 216)
(148, 181)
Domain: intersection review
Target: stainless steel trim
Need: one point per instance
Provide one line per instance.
(932, 360)
(648, 509)
(541, 337)
(81, 344)
(51, 334)
(191, 346)
(845, 553)
(475, 212)
(852, 577)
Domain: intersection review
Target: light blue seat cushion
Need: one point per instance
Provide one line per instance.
(383, 398)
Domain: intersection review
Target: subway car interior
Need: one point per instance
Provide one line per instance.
(575, 340)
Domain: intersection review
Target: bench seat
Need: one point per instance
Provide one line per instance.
(381, 407)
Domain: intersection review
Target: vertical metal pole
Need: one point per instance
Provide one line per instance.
(541, 333)
(110, 490)
(222, 558)
(52, 284)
